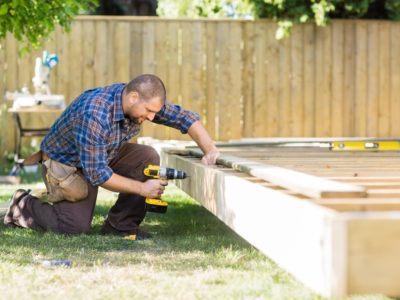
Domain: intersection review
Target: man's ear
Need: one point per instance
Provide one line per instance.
(133, 97)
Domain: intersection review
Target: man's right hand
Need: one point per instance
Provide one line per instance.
(153, 188)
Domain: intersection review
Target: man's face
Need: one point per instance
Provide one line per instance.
(144, 110)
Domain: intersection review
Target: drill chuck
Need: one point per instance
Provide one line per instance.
(169, 173)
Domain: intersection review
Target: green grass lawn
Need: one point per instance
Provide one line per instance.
(191, 256)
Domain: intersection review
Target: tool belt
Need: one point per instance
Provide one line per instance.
(63, 182)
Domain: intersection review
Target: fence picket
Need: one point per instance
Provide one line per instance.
(173, 79)
(323, 82)
(337, 107)
(297, 117)
(136, 48)
(340, 80)
(384, 80)
(395, 78)
(235, 98)
(372, 108)
(62, 77)
(75, 61)
(248, 75)
(361, 78)
(211, 93)
(309, 80)
(349, 79)
(260, 80)
(100, 54)
(284, 105)
(88, 55)
(122, 53)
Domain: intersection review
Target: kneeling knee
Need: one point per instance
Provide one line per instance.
(152, 156)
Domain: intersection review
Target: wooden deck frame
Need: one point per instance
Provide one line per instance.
(334, 253)
(305, 184)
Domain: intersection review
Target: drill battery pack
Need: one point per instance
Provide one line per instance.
(156, 206)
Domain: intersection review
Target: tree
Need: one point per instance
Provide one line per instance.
(30, 21)
(285, 12)
(290, 12)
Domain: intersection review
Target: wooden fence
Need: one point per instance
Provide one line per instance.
(342, 80)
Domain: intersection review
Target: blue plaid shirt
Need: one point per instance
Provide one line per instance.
(93, 128)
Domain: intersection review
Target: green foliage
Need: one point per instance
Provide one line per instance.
(393, 9)
(285, 12)
(30, 21)
(325, 9)
(350, 9)
(290, 12)
(204, 8)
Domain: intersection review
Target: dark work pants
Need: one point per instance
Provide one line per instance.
(75, 217)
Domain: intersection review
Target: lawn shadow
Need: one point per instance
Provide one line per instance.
(184, 222)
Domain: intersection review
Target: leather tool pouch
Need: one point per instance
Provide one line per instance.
(64, 182)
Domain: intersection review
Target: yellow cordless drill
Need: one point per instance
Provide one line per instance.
(157, 172)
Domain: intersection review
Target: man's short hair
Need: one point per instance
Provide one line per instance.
(148, 86)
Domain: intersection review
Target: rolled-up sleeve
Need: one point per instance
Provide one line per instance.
(92, 146)
(176, 117)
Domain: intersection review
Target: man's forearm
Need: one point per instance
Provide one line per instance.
(152, 188)
(200, 135)
(121, 184)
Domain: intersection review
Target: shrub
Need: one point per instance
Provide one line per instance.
(32, 21)
(290, 12)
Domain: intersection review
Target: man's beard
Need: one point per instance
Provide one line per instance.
(136, 121)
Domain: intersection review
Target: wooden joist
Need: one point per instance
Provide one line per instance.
(297, 234)
(309, 185)
(277, 197)
(369, 204)
(335, 253)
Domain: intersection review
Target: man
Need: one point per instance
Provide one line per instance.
(88, 147)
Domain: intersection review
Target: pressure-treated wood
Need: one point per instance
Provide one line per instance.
(270, 221)
(298, 182)
(373, 248)
(336, 246)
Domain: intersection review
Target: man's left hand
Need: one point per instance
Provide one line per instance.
(210, 158)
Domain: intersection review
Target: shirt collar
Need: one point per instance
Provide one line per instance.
(118, 112)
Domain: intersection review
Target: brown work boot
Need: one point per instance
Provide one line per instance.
(140, 234)
(16, 197)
